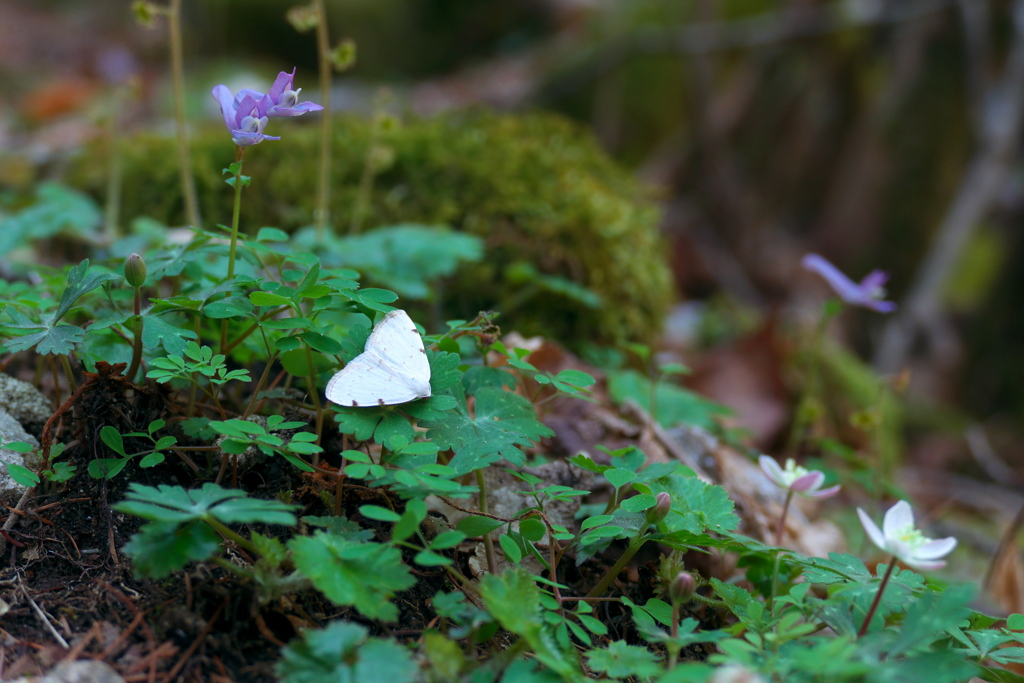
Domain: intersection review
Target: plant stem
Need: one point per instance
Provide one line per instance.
(673, 649)
(112, 210)
(188, 186)
(780, 529)
(137, 343)
(236, 211)
(635, 544)
(230, 535)
(66, 364)
(878, 597)
(492, 564)
(323, 191)
(314, 394)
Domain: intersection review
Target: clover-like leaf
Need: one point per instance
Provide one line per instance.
(343, 652)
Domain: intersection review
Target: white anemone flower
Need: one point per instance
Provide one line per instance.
(796, 478)
(898, 536)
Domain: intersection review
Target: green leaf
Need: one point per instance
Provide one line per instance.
(156, 332)
(696, 505)
(160, 548)
(475, 526)
(619, 476)
(502, 422)
(57, 209)
(107, 468)
(343, 653)
(362, 574)
(639, 503)
(22, 475)
(621, 660)
(513, 599)
(379, 513)
(80, 282)
(408, 258)
(1015, 622)
(112, 438)
(229, 506)
(675, 405)
(268, 299)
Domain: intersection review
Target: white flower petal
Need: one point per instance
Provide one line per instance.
(772, 469)
(872, 530)
(924, 564)
(935, 549)
(898, 517)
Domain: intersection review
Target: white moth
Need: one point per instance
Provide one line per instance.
(392, 368)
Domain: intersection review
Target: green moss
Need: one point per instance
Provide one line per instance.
(536, 188)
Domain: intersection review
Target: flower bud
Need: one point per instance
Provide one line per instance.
(343, 56)
(682, 588)
(661, 508)
(303, 17)
(145, 13)
(135, 270)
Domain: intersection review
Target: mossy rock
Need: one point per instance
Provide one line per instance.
(536, 188)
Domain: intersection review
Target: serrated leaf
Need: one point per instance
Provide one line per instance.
(159, 548)
(503, 422)
(342, 653)
(621, 660)
(696, 505)
(362, 574)
(157, 331)
(229, 506)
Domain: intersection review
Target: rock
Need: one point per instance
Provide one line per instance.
(11, 430)
(82, 671)
(25, 403)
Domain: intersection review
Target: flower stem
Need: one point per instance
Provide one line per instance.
(133, 368)
(781, 528)
(492, 564)
(323, 192)
(188, 186)
(635, 544)
(236, 212)
(878, 597)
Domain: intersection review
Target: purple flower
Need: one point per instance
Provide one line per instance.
(284, 100)
(796, 479)
(245, 115)
(869, 293)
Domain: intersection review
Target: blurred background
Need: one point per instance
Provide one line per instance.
(878, 133)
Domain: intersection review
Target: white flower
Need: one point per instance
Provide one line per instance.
(901, 538)
(797, 479)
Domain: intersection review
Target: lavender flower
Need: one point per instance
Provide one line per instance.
(283, 100)
(245, 115)
(902, 539)
(796, 478)
(869, 293)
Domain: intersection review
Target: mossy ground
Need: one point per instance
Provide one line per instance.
(536, 188)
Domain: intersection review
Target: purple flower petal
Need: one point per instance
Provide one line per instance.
(866, 294)
(283, 82)
(824, 493)
(222, 94)
(808, 482)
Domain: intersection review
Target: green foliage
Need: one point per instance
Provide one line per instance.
(344, 652)
(673, 405)
(57, 209)
(537, 188)
(350, 572)
(107, 468)
(199, 360)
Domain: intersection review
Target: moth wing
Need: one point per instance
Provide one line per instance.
(398, 342)
(368, 381)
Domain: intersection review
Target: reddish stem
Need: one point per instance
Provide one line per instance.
(878, 597)
(782, 518)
